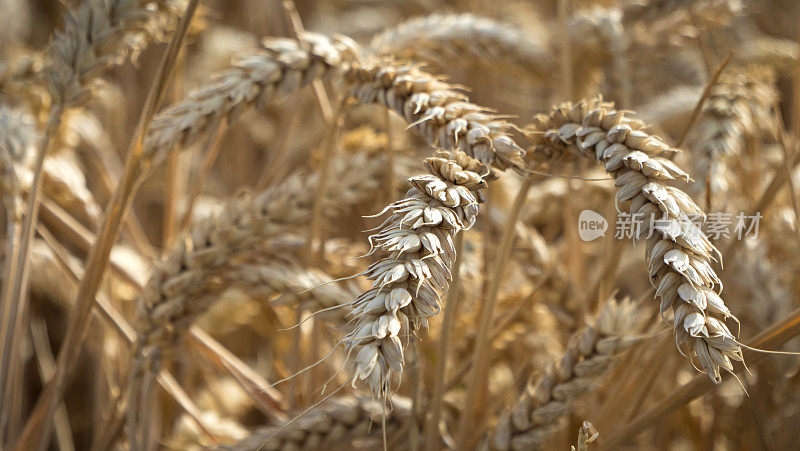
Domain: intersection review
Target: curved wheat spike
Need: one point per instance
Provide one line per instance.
(415, 243)
(255, 80)
(417, 252)
(546, 403)
(678, 253)
(441, 38)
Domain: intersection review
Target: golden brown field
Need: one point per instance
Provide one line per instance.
(422, 225)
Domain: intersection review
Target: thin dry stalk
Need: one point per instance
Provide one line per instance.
(16, 150)
(706, 93)
(474, 416)
(445, 340)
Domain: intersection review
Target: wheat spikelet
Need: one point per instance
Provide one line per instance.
(441, 38)
(441, 115)
(739, 106)
(284, 66)
(417, 252)
(678, 253)
(344, 421)
(589, 357)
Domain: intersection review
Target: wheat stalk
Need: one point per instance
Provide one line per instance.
(678, 253)
(441, 38)
(544, 405)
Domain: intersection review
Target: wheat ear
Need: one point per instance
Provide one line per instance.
(678, 253)
(281, 68)
(434, 109)
(545, 404)
(171, 302)
(441, 38)
(182, 286)
(339, 423)
(416, 251)
(97, 35)
(739, 106)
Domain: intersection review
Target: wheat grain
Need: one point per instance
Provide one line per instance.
(545, 404)
(678, 253)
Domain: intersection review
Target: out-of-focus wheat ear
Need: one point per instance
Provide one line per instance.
(255, 80)
(647, 13)
(465, 38)
(198, 268)
(545, 404)
(337, 424)
(442, 115)
(739, 106)
(777, 53)
(679, 255)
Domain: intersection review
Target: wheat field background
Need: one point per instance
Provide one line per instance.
(422, 225)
